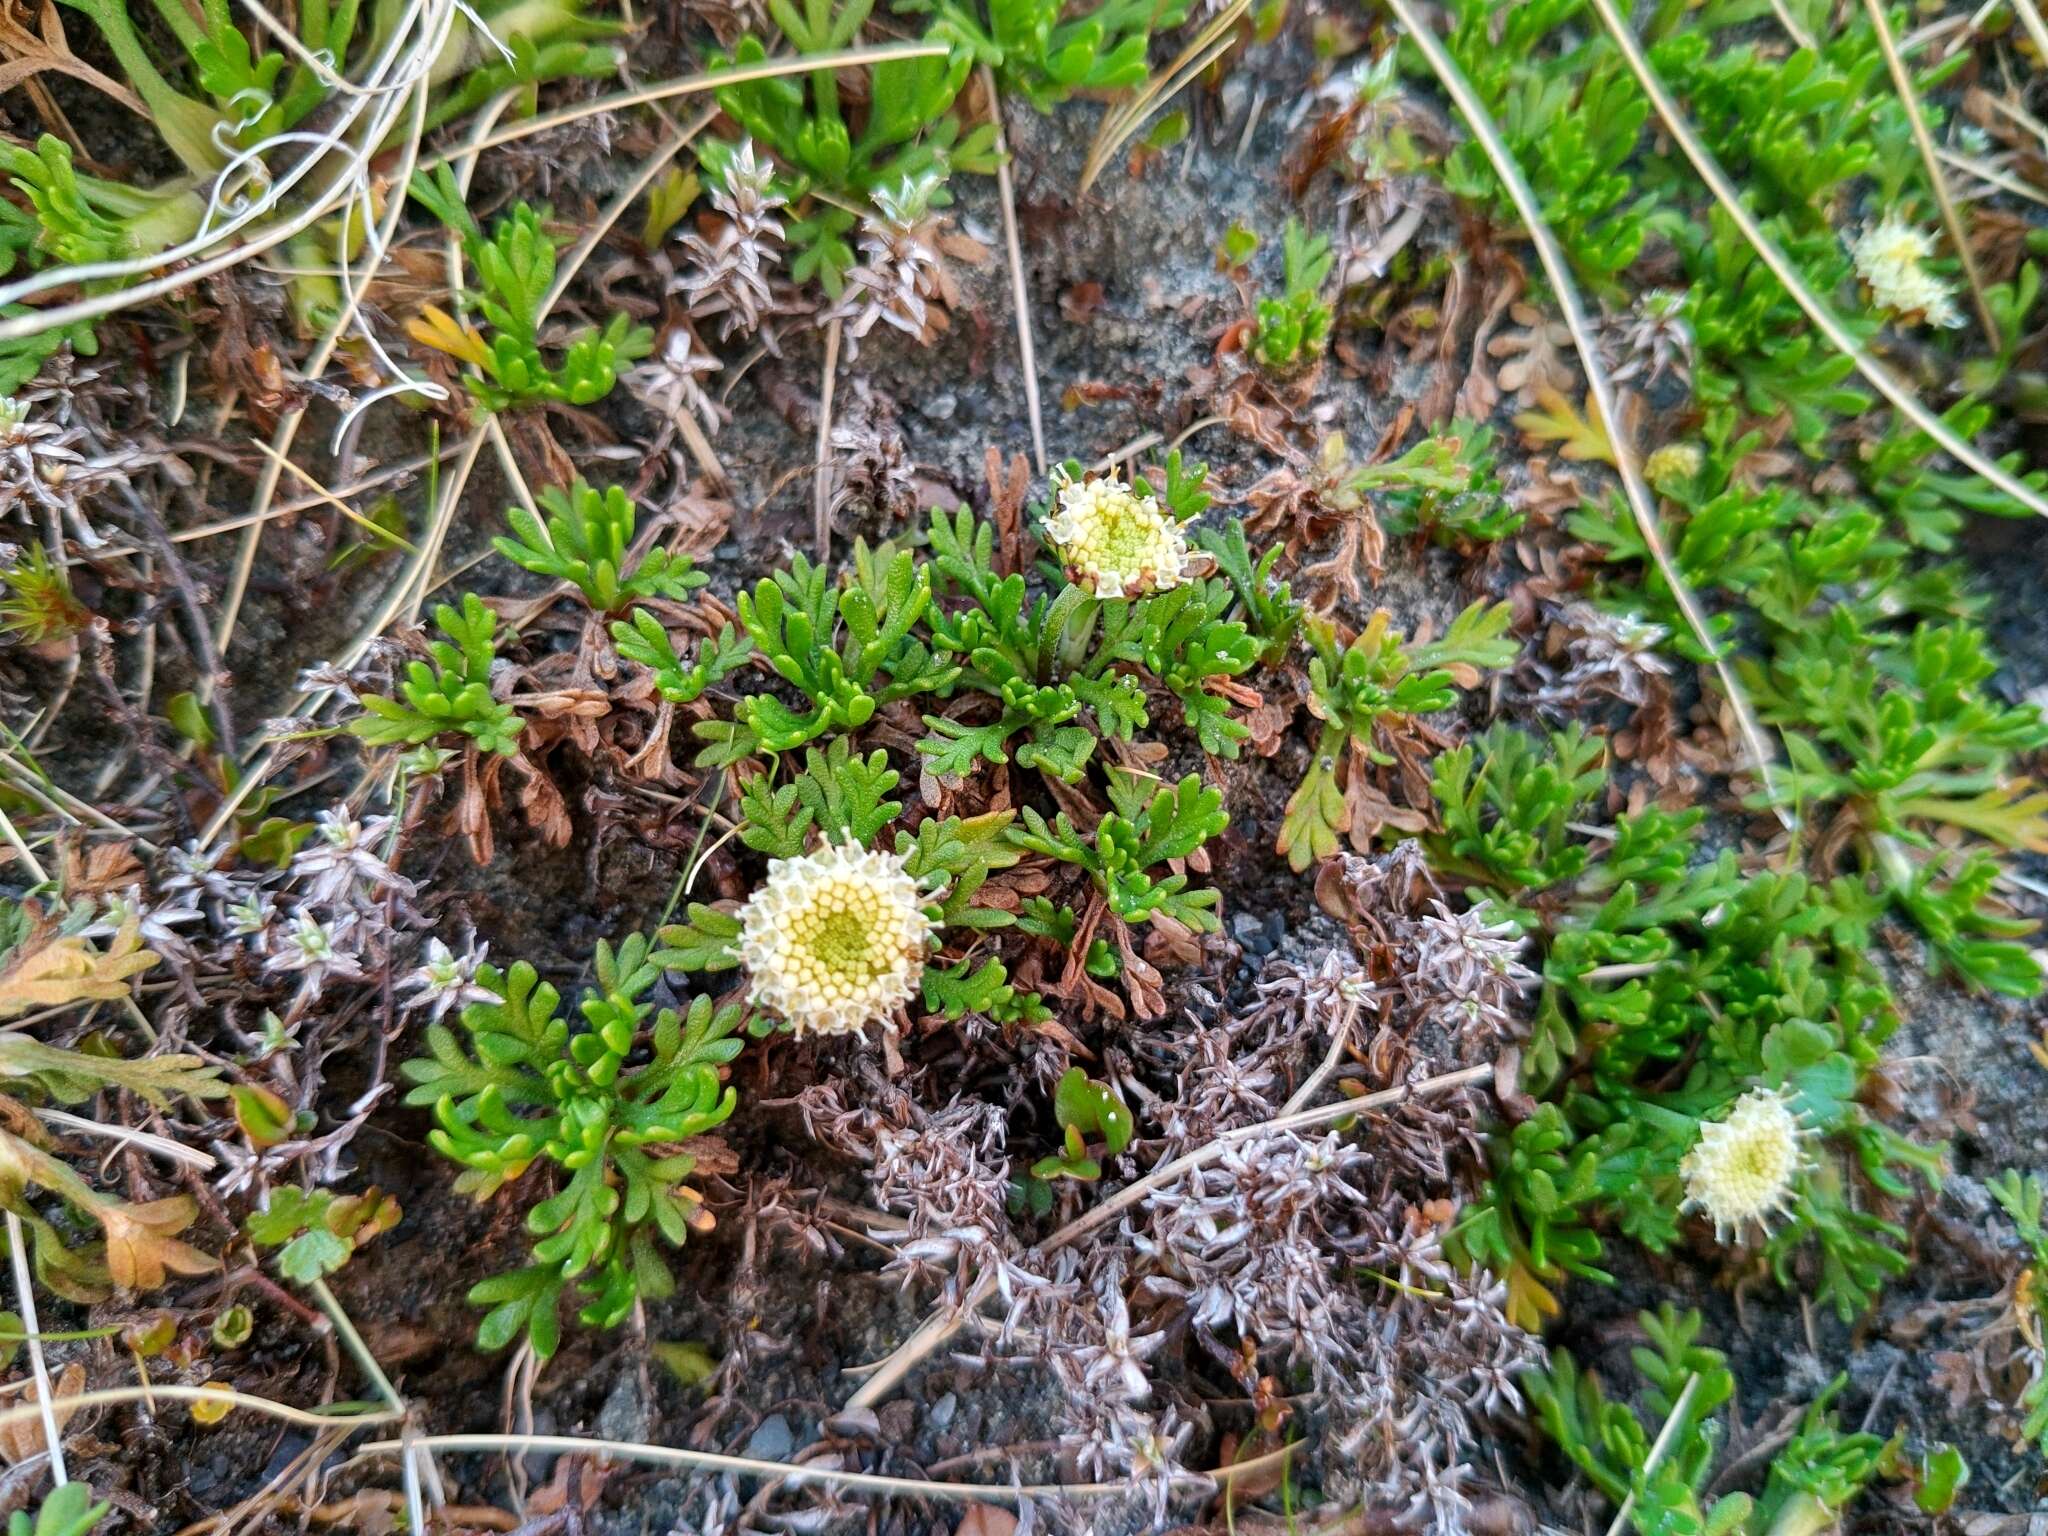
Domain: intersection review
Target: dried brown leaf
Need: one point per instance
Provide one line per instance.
(986, 1520)
(24, 1437)
(1537, 354)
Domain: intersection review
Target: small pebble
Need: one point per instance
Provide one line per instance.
(1251, 934)
(623, 1416)
(772, 1439)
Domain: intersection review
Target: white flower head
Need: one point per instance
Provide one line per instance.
(1891, 257)
(1115, 541)
(835, 940)
(1741, 1169)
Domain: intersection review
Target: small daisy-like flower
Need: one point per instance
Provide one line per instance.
(1741, 1169)
(1891, 259)
(1116, 542)
(834, 940)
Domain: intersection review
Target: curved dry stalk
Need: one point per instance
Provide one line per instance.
(643, 178)
(1120, 122)
(2030, 18)
(324, 497)
(22, 850)
(234, 1520)
(61, 803)
(107, 1397)
(1340, 1037)
(501, 446)
(752, 1466)
(162, 1146)
(1874, 373)
(1643, 508)
(693, 436)
(1991, 175)
(691, 85)
(1020, 296)
(337, 190)
(287, 430)
(358, 1347)
(1951, 220)
(942, 1324)
(418, 578)
(1300, 1120)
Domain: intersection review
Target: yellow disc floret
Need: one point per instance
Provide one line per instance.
(1741, 1169)
(1891, 259)
(1116, 542)
(834, 940)
(1672, 466)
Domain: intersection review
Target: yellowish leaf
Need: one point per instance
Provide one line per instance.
(72, 1076)
(359, 1218)
(1584, 438)
(690, 1362)
(142, 1241)
(1530, 1302)
(435, 327)
(264, 1116)
(211, 1410)
(54, 972)
(1316, 815)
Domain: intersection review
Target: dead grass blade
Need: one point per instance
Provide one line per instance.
(643, 178)
(692, 85)
(1658, 1449)
(23, 852)
(1875, 373)
(316, 363)
(25, 1299)
(751, 1466)
(1459, 89)
(1020, 296)
(821, 484)
(227, 1397)
(2030, 18)
(1793, 30)
(1120, 122)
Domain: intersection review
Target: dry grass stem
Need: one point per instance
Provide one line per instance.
(1875, 373)
(1020, 293)
(25, 1298)
(1640, 500)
